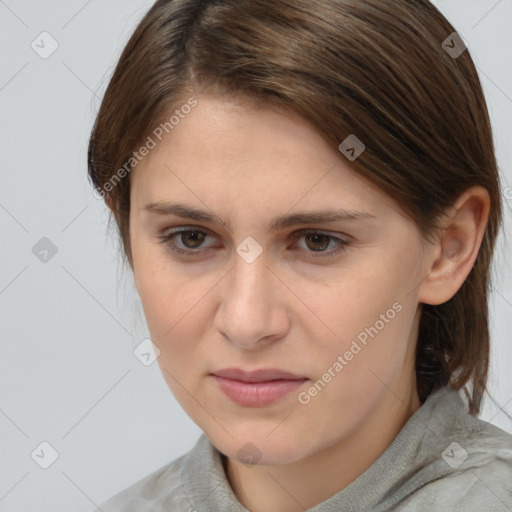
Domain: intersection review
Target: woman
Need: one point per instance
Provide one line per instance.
(308, 197)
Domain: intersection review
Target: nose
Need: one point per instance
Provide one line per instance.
(252, 310)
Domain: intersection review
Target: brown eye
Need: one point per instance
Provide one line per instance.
(192, 239)
(188, 242)
(319, 241)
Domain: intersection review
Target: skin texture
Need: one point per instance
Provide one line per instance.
(292, 308)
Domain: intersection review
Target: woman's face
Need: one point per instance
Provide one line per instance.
(254, 285)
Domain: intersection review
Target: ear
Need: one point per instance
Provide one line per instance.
(452, 257)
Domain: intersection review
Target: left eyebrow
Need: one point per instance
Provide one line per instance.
(276, 224)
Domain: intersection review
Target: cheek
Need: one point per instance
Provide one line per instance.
(175, 311)
(354, 301)
(358, 370)
(161, 288)
(369, 314)
(171, 308)
(176, 322)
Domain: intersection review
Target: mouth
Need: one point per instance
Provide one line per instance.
(257, 388)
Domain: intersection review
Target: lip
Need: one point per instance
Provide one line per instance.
(261, 375)
(256, 388)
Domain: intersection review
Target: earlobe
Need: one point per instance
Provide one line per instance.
(453, 257)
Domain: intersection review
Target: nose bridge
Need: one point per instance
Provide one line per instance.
(250, 278)
(248, 310)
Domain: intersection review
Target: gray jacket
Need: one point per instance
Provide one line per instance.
(443, 459)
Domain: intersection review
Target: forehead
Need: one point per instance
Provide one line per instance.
(258, 155)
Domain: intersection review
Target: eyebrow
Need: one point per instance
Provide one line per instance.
(276, 224)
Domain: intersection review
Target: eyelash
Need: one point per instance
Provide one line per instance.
(169, 237)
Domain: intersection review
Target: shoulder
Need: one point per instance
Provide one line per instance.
(487, 488)
(162, 487)
(473, 473)
(195, 477)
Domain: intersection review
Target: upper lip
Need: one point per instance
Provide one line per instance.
(262, 375)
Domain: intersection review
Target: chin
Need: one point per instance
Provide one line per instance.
(260, 449)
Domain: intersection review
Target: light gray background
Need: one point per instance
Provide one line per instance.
(68, 326)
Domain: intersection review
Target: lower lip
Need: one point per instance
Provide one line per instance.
(257, 394)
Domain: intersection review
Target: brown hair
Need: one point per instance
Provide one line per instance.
(373, 68)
